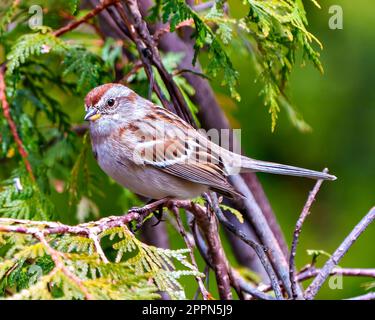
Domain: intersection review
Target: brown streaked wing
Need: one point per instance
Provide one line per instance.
(180, 162)
(206, 174)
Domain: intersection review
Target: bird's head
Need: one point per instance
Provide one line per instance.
(108, 102)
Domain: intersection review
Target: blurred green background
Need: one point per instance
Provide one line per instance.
(340, 107)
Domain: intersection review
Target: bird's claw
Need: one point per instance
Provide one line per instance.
(158, 214)
(144, 211)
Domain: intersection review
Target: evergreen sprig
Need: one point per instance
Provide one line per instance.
(28, 271)
(272, 31)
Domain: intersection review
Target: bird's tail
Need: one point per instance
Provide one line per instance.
(276, 168)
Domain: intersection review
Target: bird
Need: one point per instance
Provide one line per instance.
(156, 154)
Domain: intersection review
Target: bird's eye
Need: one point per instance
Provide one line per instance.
(110, 102)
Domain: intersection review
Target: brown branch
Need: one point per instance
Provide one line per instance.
(149, 53)
(297, 230)
(205, 294)
(314, 287)
(74, 24)
(145, 53)
(13, 128)
(68, 16)
(260, 250)
(84, 229)
(243, 284)
(207, 223)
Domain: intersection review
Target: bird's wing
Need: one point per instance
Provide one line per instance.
(185, 155)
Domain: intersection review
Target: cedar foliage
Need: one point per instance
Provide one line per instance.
(46, 80)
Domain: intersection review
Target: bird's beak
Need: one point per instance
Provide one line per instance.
(92, 115)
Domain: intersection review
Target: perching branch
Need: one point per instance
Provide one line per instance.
(324, 273)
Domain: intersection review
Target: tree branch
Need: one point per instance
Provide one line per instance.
(207, 223)
(260, 250)
(314, 287)
(150, 56)
(205, 294)
(297, 230)
(244, 285)
(264, 233)
(74, 24)
(311, 272)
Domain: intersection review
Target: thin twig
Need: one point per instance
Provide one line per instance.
(74, 24)
(205, 294)
(12, 125)
(149, 53)
(297, 230)
(324, 273)
(367, 296)
(144, 53)
(264, 233)
(178, 72)
(311, 272)
(246, 287)
(137, 65)
(97, 30)
(349, 272)
(162, 31)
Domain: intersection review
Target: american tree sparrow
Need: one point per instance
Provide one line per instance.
(156, 154)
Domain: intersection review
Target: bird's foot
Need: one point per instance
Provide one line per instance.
(144, 211)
